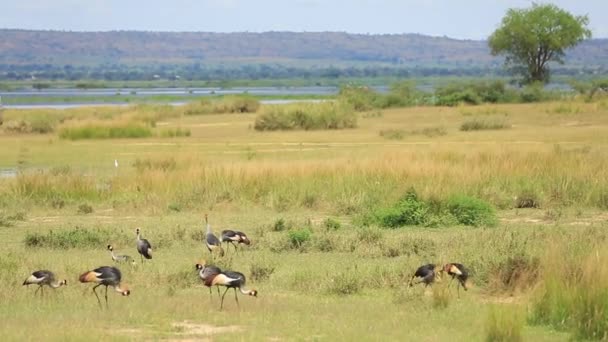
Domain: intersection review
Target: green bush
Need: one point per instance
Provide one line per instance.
(227, 104)
(473, 93)
(361, 98)
(471, 211)
(299, 237)
(130, 130)
(73, 238)
(409, 211)
(306, 116)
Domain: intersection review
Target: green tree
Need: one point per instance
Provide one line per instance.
(531, 38)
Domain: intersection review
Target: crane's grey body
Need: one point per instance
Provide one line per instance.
(207, 272)
(214, 276)
(211, 241)
(144, 248)
(234, 237)
(43, 278)
(120, 258)
(107, 276)
(426, 273)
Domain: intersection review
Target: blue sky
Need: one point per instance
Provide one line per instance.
(467, 19)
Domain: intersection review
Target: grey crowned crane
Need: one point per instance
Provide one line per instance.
(144, 248)
(458, 272)
(204, 272)
(211, 241)
(107, 276)
(426, 274)
(42, 278)
(230, 279)
(120, 258)
(234, 237)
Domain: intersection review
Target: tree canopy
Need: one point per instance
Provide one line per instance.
(531, 38)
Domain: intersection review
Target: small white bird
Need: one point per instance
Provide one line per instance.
(115, 162)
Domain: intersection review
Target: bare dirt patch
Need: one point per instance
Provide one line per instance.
(187, 328)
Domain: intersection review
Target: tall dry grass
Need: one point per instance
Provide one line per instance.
(499, 176)
(573, 293)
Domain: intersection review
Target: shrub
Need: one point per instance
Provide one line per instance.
(392, 134)
(105, 131)
(306, 116)
(261, 272)
(280, 225)
(85, 209)
(504, 324)
(175, 132)
(486, 123)
(73, 238)
(533, 92)
(472, 93)
(431, 131)
(331, 224)
(299, 237)
(409, 211)
(361, 98)
(471, 211)
(228, 104)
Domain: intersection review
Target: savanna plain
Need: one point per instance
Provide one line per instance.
(339, 220)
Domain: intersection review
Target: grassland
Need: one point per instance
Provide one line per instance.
(322, 272)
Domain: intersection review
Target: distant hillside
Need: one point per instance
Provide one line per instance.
(141, 55)
(36, 47)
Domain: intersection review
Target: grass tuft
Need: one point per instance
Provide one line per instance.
(306, 116)
(105, 131)
(504, 324)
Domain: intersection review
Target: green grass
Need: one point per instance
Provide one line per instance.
(105, 132)
(321, 267)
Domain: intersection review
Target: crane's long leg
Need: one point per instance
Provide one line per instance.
(38, 289)
(106, 296)
(41, 291)
(218, 291)
(95, 292)
(233, 245)
(222, 304)
(236, 297)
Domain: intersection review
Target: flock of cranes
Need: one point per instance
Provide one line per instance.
(211, 275)
(110, 276)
